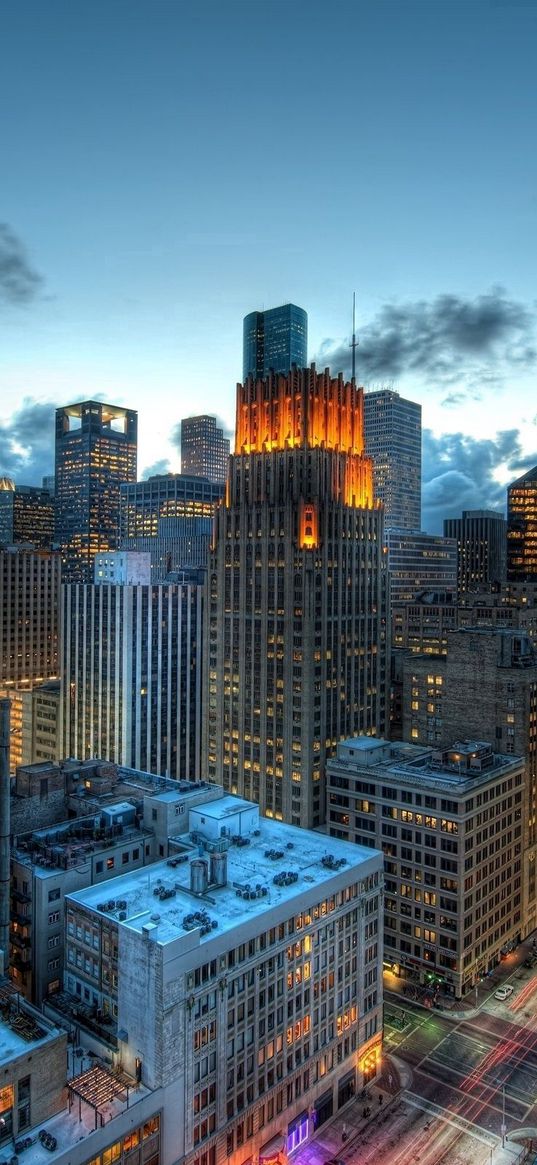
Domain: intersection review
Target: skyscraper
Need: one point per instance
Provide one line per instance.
(96, 447)
(417, 560)
(29, 616)
(204, 449)
(392, 427)
(26, 515)
(296, 637)
(131, 675)
(522, 528)
(481, 548)
(274, 340)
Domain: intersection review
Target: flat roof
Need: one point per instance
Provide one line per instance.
(277, 849)
(22, 1030)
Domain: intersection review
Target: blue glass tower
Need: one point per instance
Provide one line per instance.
(275, 340)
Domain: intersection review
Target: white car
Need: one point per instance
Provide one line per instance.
(504, 992)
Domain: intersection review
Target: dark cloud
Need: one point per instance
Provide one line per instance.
(449, 340)
(27, 440)
(162, 466)
(459, 473)
(27, 443)
(19, 282)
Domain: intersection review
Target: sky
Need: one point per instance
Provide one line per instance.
(167, 167)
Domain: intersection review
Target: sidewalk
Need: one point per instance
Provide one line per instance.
(337, 1137)
(468, 1007)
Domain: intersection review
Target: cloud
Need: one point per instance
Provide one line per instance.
(19, 282)
(449, 340)
(459, 472)
(158, 467)
(27, 442)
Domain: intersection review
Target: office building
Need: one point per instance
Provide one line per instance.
(131, 675)
(296, 638)
(274, 340)
(29, 616)
(26, 515)
(451, 901)
(170, 517)
(204, 449)
(522, 529)
(96, 447)
(481, 549)
(392, 427)
(46, 864)
(48, 483)
(424, 624)
(486, 686)
(243, 977)
(418, 561)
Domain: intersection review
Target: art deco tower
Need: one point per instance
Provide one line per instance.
(296, 637)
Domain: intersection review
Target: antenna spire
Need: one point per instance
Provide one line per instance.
(354, 342)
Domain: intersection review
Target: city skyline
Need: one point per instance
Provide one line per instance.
(133, 287)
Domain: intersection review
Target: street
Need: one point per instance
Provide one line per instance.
(463, 1075)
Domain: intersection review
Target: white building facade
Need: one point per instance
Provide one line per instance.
(244, 975)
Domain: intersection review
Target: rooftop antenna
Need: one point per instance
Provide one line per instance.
(354, 342)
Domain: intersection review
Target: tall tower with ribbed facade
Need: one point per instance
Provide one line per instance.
(296, 638)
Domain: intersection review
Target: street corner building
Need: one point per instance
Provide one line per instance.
(241, 981)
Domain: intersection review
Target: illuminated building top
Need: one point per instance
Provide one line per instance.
(307, 410)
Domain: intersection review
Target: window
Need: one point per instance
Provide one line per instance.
(53, 895)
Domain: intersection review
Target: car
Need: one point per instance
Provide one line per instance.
(504, 992)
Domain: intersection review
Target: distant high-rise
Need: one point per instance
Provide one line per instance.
(274, 340)
(204, 449)
(96, 446)
(131, 675)
(392, 428)
(418, 561)
(29, 615)
(26, 515)
(296, 637)
(481, 548)
(169, 516)
(522, 528)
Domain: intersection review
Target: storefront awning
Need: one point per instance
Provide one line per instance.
(273, 1151)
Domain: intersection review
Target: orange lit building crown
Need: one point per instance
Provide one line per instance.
(307, 410)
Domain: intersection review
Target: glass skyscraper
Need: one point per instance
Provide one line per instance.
(96, 447)
(274, 340)
(26, 515)
(522, 528)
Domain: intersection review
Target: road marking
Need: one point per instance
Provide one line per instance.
(460, 1123)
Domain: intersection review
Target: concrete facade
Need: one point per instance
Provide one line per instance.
(486, 686)
(256, 1000)
(451, 827)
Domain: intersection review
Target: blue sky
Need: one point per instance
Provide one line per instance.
(167, 167)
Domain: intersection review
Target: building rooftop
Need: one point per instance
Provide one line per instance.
(21, 1026)
(464, 766)
(266, 867)
(60, 847)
